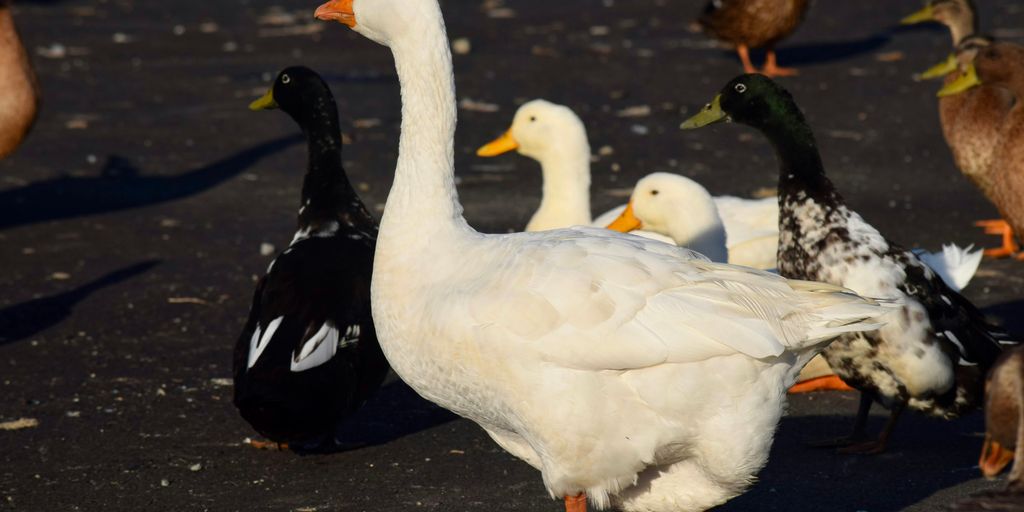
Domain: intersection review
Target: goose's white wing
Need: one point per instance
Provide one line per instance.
(589, 299)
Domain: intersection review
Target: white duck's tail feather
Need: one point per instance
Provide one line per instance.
(955, 265)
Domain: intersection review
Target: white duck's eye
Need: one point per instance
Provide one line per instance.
(654, 192)
(533, 118)
(285, 79)
(740, 88)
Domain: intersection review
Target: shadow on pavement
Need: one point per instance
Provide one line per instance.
(26, 319)
(120, 186)
(394, 412)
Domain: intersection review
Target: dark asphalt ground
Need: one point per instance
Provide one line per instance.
(132, 219)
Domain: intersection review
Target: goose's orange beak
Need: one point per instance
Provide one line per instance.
(626, 222)
(993, 458)
(337, 10)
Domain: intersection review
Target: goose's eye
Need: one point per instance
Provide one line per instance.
(533, 118)
(740, 88)
(285, 79)
(654, 192)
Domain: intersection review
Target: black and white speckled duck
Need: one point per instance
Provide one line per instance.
(934, 352)
(309, 355)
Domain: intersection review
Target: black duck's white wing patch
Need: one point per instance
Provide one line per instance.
(322, 346)
(259, 342)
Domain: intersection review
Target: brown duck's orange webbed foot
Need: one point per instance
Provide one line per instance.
(744, 53)
(772, 69)
(268, 445)
(576, 503)
(1001, 228)
(826, 383)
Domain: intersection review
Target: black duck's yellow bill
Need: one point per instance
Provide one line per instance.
(264, 103)
(626, 222)
(498, 146)
(966, 81)
(926, 14)
(710, 114)
(941, 69)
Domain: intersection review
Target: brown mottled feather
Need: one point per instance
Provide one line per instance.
(1002, 65)
(19, 103)
(1004, 406)
(754, 23)
(970, 124)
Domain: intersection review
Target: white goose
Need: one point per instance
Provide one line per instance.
(626, 369)
(556, 137)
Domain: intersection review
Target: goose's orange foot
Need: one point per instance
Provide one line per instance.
(576, 503)
(268, 445)
(1001, 228)
(826, 383)
(772, 68)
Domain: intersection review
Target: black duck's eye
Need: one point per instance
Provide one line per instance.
(654, 192)
(285, 79)
(740, 88)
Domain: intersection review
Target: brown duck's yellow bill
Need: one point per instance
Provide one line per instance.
(941, 69)
(926, 14)
(710, 114)
(993, 458)
(337, 10)
(626, 222)
(498, 146)
(266, 102)
(966, 81)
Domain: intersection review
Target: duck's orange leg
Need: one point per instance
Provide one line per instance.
(1002, 228)
(826, 383)
(744, 53)
(576, 503)
(772, 69)
(268, 445)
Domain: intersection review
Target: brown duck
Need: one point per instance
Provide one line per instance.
(748, 24)
(1001, 65)
(20, 100)
(1004, 410)
(970, 121)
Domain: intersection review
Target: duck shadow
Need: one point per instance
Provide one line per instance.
(938, 454)
(394, 412)
(121, 186)
(23, 320)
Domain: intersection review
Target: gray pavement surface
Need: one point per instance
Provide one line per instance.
(131, 223)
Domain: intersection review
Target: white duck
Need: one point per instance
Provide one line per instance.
(556, 137)
(655, 206)
(626, 369)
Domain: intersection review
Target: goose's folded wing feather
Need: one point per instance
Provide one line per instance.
(590, 299)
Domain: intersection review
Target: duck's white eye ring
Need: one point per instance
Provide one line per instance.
(740, 88)
(285, 79)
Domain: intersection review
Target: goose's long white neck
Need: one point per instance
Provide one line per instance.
(423, 205)
(566, 198)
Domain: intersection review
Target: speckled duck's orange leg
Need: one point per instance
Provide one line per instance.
(1001, 228)
(268, 445)
(744, 54)
(576, 503)
(772, 69)
(826, 383)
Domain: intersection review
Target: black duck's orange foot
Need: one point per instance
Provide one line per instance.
(839, 442)
(1001, 228)
(866, 448)
(268, 445)
(826, 383)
